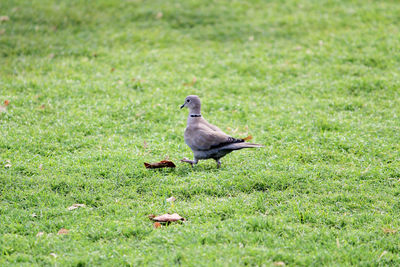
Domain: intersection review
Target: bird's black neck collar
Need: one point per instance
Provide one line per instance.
(195, 115)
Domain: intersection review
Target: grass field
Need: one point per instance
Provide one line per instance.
(95, 88)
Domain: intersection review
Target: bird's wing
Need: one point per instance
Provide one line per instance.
(205, 123)
(203, 138)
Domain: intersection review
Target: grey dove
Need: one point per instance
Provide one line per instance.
(207, 141)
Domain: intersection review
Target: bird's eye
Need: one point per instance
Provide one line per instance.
(188, 100)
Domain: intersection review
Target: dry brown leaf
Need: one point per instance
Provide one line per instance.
(389, 231)
(161, 164)
(112, 69)
(248, 138)
(157, 225)
(171, 199)
(63, 231)
(168, 218)
(279, 263)
(4, 108)
(76, 206)
(191, 83)
(43, 106)
(39, 234)
(4, 18)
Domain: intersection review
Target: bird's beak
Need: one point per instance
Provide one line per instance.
(183, 105)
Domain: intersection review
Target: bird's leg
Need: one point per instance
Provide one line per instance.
(218, 163)
(191, 162)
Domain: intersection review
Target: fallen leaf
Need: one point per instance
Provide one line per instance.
(4, 108)
(4, 18)
(279, 263)
(75, 206)
(171, 199)
(157, 225)
(389, 231)
(366, 170)
(248, 138)
(8, 164)
(63, 231)
(168, 218)
(191, 83)
(39, 234)
(161, 164)
(53, 254)
(43, 106)
(159, 15)
(112, 69)
(383, 254)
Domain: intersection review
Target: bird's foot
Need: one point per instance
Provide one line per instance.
(191, 162)
(218, 164)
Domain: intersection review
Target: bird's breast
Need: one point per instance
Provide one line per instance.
(188, 137)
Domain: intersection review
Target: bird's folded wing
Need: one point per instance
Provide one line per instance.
(203, 138)
(205, 123)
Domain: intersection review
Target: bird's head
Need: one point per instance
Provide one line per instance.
(192, 102)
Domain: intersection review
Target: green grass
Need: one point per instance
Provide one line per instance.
(317, 82)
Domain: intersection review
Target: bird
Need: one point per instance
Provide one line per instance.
(206, 140)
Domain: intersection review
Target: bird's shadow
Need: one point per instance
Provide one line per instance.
(199, 168)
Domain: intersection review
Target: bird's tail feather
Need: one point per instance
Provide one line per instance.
(237, 146)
